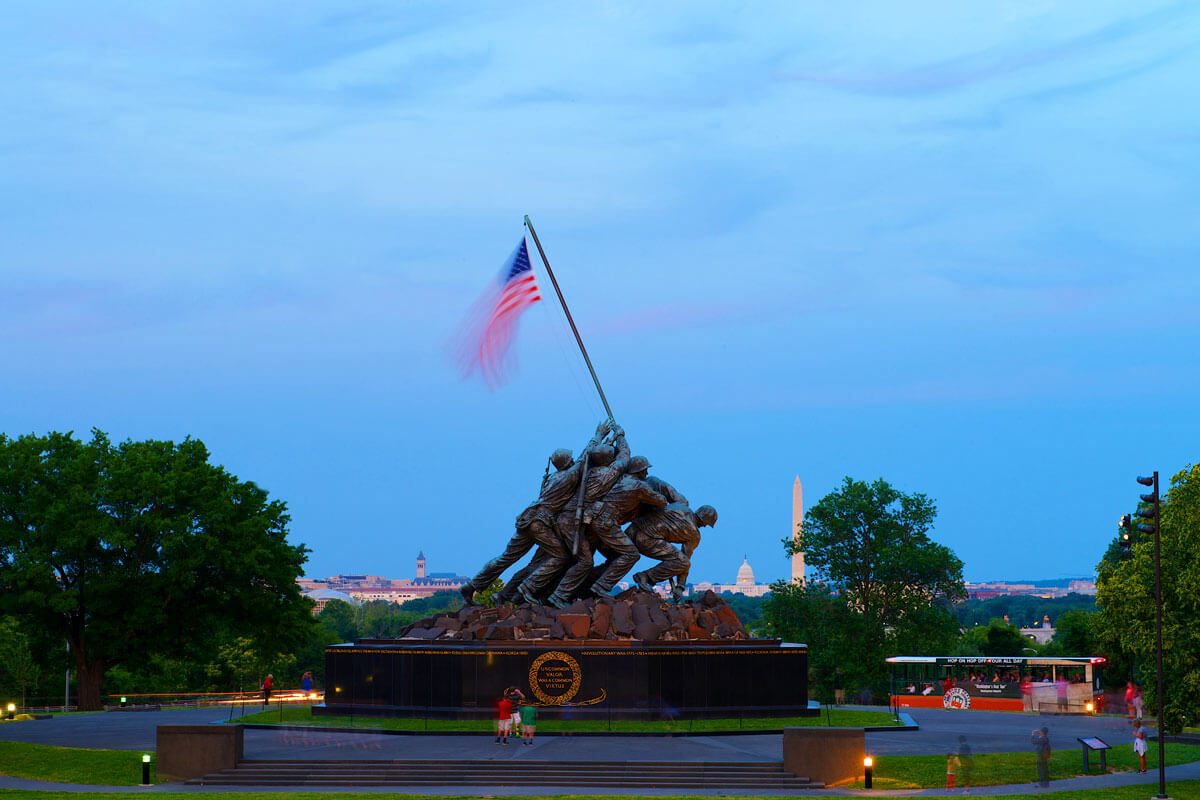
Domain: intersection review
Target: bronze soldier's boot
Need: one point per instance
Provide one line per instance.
(639, 580)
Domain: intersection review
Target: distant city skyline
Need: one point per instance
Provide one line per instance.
(368, 586)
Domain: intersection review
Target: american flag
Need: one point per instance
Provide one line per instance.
(488, 330)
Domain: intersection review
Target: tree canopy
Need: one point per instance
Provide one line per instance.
(142, 550)
(1125, 594)
(880, 587)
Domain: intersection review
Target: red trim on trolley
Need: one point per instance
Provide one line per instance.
(977, 703)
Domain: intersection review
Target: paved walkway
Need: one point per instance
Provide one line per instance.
(939, 732)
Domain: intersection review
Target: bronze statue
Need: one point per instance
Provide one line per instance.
(535, 525)
(653, 533)
(581, 511)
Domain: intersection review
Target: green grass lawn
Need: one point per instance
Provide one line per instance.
(1181, 790)
(929, 772)
(72, 764)
(302, 715)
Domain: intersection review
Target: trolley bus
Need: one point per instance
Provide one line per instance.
(1066, 683)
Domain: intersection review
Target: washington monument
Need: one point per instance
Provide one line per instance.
(797, 521)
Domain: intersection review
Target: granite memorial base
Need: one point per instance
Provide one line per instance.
(831, 756)
(568, 679)
(189, 751)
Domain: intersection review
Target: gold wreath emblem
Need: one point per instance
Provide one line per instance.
(576, 677)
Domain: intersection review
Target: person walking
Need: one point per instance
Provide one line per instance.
(267, 685)
(1041, 747)
(1129, 694)
(306, 684)
(504, 715)
(528, 723)
(966, 763)
(951, 768)
(1139, 702)
(1139, 743)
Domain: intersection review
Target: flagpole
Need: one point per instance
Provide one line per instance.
(567, 311)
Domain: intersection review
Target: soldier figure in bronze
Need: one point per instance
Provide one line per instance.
(605, 466)
(652, 533)
(535, 525)
(604, 533)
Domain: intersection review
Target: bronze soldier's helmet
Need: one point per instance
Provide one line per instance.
(638, 464)
(601, 455)
(561, 458)
(707, 515)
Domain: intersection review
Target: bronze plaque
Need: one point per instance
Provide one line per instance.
(554, 678)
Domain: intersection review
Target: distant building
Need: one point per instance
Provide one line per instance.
(364, 588)
(1041, 634)
(744, 583)
(986, 591)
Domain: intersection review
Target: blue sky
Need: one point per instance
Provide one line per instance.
(947, 245)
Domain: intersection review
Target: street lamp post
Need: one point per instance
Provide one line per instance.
(1151, 513)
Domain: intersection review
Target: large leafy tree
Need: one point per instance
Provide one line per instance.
(809, 613)
(1125, 594)
(144, 549)
(868, 544)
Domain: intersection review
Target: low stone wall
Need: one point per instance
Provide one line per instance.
(831, 756)
(189, 751)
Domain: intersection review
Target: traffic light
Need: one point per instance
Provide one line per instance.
(1124, 536)
(1150, 509)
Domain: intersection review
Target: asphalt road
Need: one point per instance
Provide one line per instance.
(986, 731)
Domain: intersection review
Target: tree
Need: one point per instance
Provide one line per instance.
(869, 542)
(142, 549)
(18, 668)
(338, 618)
(810, 614)
(1075, 634)
(1004, 640)
(1125, 594)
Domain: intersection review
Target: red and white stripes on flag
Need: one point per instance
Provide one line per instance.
(485, 336)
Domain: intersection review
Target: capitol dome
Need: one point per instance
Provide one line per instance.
(745, 573)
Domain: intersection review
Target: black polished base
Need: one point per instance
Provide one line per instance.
(577, 680)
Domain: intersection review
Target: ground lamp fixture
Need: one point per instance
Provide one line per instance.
(1150, 512)
(12, 710)
(145, 769)
(868, 762)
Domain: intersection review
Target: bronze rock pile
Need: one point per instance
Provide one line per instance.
(633, 615)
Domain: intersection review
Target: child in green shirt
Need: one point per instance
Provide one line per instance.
(528, 723)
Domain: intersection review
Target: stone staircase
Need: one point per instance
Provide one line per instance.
(744, 777)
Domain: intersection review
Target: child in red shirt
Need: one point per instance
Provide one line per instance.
(504, 710)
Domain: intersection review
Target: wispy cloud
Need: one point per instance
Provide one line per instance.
(964, 71)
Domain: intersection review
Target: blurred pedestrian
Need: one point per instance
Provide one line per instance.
(1129, 693)
(966, 762)
(951, 768)
(1041, 747)
(267, 685)
(1139, 702)
(1139, 743)
(306, 684)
